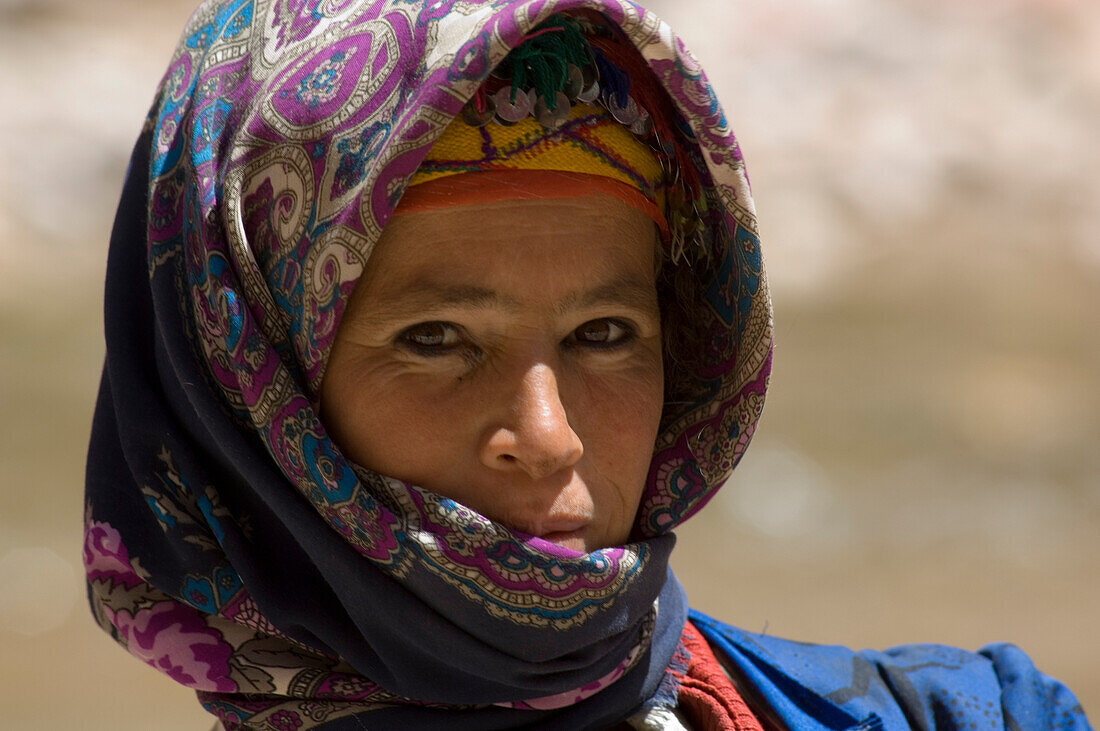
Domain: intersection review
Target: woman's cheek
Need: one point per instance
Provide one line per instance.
(635, 389)
(624, 408)
(383, 412)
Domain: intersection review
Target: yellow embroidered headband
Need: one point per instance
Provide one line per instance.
(590, 152)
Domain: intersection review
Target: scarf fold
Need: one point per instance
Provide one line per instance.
(229, 543)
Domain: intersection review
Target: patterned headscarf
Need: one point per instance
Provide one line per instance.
(229, 543)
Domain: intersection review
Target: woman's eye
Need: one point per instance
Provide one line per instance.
(601, 333)
(431, 336)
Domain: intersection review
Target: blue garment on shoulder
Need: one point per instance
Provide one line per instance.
(819, 687)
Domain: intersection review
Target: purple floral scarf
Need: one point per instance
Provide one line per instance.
(228, 543)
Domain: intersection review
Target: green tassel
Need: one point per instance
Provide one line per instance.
(542, 62)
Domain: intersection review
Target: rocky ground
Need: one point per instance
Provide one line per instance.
(927, 467)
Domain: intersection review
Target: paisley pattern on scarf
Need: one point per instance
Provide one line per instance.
(282, 137)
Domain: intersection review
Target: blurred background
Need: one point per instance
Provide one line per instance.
(927, 176)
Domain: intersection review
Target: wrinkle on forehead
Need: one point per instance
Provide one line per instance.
(414, 266)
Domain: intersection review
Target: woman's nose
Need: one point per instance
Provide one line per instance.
(534, 436)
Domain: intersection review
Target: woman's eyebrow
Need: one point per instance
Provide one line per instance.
(426, 294)
(626, 291)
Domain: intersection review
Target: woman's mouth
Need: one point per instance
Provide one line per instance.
(571, 539)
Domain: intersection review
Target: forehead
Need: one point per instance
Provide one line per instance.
(517, 248)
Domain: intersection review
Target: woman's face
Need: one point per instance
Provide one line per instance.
(508, 356)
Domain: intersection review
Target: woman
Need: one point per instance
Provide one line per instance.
(427, 323)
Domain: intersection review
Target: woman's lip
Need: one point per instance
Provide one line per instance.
(573, 539)
(551, 526)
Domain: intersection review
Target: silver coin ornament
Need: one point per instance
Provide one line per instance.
(643, 125)
(589, 75)
(511, 111)
(552, 118)
(589, 93)
(624, 115)
(475, 118)
(574, 81)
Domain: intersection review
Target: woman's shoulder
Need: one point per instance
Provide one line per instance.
(808, 686)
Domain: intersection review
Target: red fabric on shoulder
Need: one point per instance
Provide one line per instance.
(707, 697)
